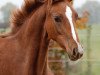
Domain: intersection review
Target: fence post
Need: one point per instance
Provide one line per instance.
(89, 66)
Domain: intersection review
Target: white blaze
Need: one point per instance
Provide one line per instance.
(69, 16)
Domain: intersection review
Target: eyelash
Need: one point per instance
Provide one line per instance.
(57, 18)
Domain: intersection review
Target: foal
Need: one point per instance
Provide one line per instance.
(25, 53)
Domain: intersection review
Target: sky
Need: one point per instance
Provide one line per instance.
(16, 2)
(77, 3)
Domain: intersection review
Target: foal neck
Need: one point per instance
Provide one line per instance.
(34, 39)
(33, 26)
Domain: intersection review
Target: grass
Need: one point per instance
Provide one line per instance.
(95, 40)
(95, 48)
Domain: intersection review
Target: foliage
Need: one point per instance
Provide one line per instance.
(6, 11)
(56, 57)
(81, 23)
(93, 7)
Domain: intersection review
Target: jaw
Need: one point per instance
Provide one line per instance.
(73, 54)
(75, 57)
(70, 52)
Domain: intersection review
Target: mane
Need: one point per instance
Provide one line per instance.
(20, 15)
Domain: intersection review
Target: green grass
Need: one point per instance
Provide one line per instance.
(95, 48)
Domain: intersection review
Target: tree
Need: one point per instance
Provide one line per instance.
(6, 11)
(93, 8)
(81, 23)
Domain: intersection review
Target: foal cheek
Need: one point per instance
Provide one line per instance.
(51, 31)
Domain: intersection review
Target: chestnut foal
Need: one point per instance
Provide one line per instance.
(25, 52)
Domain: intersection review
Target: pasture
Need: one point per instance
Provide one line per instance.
(95, 49)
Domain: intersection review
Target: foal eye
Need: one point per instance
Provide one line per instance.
(57, 18)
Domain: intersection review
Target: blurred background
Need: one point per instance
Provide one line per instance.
(88, 27)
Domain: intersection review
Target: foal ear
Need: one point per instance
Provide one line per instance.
(56, 0)
(69, 0)
(42, 1)
(62, 0)
(50, 2)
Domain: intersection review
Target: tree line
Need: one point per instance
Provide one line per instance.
(93, 7)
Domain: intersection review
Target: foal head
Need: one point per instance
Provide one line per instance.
(60, 26)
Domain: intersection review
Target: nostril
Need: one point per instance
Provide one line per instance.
(81, 55)
(75, 51)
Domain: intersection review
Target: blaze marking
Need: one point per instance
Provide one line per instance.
(69, 16)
